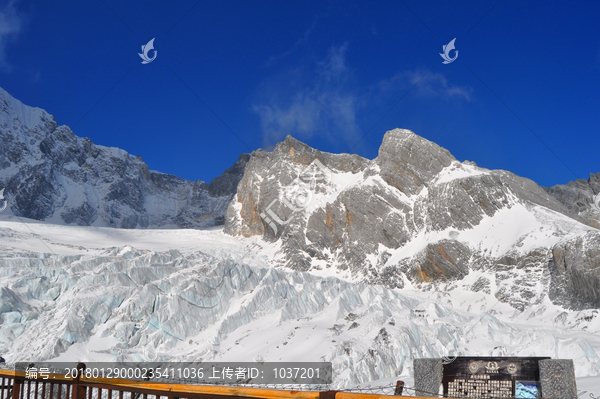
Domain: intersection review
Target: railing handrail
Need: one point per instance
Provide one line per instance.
(178, 388)
(22, 374)
(206, 389)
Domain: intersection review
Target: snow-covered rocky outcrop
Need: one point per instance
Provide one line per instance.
(416, 214)
(48, 173)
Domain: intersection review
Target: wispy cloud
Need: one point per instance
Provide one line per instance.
(11, 23)
(433, 84)
(299, 43)
(326, 101)
(326, 107)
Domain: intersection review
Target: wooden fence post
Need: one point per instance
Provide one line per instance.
(399, 388)
(78, 389)
(16, 388)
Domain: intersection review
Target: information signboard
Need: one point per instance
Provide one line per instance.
(492, 377)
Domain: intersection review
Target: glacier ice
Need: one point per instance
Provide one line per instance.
(123, 302)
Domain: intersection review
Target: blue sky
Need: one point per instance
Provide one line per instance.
(235, 76)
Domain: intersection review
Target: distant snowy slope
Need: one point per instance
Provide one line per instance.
(137, 295)
(50, 174)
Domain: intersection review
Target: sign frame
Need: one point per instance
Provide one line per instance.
(476, 376)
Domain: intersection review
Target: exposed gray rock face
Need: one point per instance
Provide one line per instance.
(413, 215)
(576, 272)
(266, 171)
(446, 259)
(557, 378)
(428, 376)
(50, 174)
(578, 196)
(409, 162)
(227, 183)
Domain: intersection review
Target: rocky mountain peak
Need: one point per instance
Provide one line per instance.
(51, 174)
(413, 215)
(578, 196)
(408, 161)
(13, 113)
(292, 143)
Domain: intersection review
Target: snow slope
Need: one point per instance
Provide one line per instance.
(100, 294)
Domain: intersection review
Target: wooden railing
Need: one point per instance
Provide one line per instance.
(15, 385)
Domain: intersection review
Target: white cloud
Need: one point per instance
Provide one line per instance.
(10, 26)
(432, 84)
(325, 101)
(324, 107)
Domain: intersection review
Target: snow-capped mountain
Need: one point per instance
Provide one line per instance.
(50, 174)
(323, 257)
(416, 215)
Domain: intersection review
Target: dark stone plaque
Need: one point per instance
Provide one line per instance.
(492, 377)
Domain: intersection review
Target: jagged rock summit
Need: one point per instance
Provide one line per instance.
(50, 174)
(578, 196)
(416, 215)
